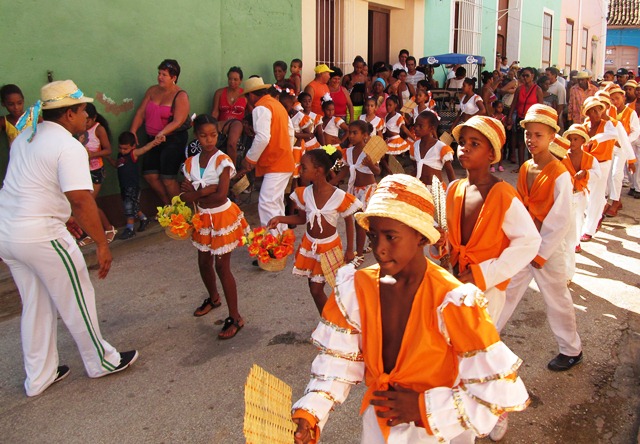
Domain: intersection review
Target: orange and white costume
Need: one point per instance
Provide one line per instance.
(628, 128)
(363, 194)
(602, 150)
(450, 354)
(495, 259)
(397, 145)
(340, 204)
(332, 127)
(547, 202)
(310, 121)
(223, 226)
(435, 158)
(377, 123)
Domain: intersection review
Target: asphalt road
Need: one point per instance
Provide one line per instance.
(187, 385)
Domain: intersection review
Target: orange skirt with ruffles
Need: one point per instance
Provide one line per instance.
(307, 262)
(222, 229)
(397, 145)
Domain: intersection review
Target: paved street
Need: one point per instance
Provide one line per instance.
(187, 386)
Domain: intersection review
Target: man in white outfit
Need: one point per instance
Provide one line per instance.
(48, 179)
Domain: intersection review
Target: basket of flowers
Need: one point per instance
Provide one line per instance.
(270, 250)
(178, 219)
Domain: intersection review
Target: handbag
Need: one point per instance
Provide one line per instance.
(186, 125)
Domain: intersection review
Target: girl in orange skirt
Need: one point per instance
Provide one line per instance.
(320, 206)
(221, 225)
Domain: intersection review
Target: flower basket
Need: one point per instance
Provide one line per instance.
(182, 236)
(274, 264)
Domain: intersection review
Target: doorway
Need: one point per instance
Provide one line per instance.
(378, 47)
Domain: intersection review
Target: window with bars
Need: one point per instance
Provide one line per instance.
(333, 19)
(583, 51)
(547, 24)
(466, 27)
(568, 52)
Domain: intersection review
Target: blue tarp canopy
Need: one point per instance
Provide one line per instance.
(452, 59)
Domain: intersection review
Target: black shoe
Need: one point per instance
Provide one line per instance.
(636, 194)
(128, 233)
(255, 262)
(126, 359)
(631, 192)
(563, 362)
(63, 372)
(144, 223)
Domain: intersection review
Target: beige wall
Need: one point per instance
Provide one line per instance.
(585, 14)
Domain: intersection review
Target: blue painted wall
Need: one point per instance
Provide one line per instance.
(624, 37)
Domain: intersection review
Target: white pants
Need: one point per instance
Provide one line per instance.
(52, 278)
(552, 281)
(614, 182)
(271, 201)
(635, 178)
(597, 199)
(496, 299)
(570, 238)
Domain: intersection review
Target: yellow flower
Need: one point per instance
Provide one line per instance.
(329, 149)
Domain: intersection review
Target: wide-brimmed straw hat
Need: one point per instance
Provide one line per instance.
(604, 96)
(578, 130)
(322, 68)
(491, 128)
(632, 83)
(254, 84)
(62, 93)
(582, 75)
(606, 85)
(591, 102)
(559, 146)
(544, 114)
(615, 90)
(405, 199)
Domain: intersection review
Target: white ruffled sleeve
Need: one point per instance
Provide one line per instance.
(225, 162)
(487, 382)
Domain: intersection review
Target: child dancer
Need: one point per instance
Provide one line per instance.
(320, 206)
(470, 102)
(545, 186)
(222, 223)
(96, 140)
(370, 116)
(12, 99)
(395, 128)
(362, 180)
(430, 154)
(412, 333)
(296, 79)
(129, 180)
(330, 126)
(309, 122)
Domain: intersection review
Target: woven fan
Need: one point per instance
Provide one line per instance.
(395, 166)
(240, 185)
(376, 148)
(439, 202)
(446, 138)
(331, 261)
(267, 404)
(408, 106)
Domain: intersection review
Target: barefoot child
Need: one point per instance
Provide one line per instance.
(222, 223)
(412, 333)
(545, 186)
(370, 116)
(320, 205)
(482, 204)
(362, 180)
(430, 154)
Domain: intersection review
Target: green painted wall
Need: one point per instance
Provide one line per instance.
(531, 41)
(437, 32)
(489, 33)
(114, 47)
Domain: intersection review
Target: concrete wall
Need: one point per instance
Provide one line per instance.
(590, 14)
(114, 47)
(531, 31)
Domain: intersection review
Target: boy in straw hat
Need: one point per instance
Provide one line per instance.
(424, 354)
(603, 136)
(545, 187)
(623, 154)
(46, 181)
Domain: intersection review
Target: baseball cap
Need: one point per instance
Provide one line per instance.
(622, 72)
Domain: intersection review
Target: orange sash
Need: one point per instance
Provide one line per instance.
(539, 199)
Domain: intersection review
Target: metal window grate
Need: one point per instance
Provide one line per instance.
(334, 32)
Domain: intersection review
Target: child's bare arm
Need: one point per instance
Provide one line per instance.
(113, 162)
(294, 219)
(451, 174)
(374, 167)
(344, 127)
(350, 230)
(140, 151)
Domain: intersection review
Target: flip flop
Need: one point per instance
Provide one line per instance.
(111, 234)
(87, 240)
(228, 324)
(207, 306)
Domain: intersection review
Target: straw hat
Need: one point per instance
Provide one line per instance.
(591, 102)
(632, 83)
(321, 68)
(603, 96)
(60, 94)
(254, 84)
(559, 146)
(491, 128)
(616, 90)
(405, 199)
(544, 114)
(582, 75)
(606, 85)
(578, 130)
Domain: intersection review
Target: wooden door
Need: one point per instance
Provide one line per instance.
(378, 36)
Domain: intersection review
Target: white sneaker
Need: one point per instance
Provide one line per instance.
(500, 429)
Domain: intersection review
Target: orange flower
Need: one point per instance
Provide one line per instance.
(197, 222)
(253, 250)
(280, 251)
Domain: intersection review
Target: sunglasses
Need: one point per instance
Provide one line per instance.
(526, 75)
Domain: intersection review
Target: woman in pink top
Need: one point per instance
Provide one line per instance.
(228, 102)
(164, 112)
(378, 94)
(339, 95)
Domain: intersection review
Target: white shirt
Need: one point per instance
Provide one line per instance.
(398, 65)
(33, 205)
(415, 78)
(262, 129)
(559, 90)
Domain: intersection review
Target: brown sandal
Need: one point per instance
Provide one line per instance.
(229, 323)
(207, 306)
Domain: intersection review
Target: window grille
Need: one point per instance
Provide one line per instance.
(334, 33)
(546, 39)
(568, 52)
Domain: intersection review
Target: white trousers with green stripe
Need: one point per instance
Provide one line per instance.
(52, 278)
